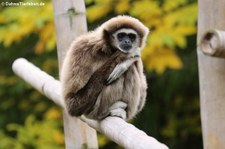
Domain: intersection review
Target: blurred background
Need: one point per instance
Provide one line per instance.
(30, 121)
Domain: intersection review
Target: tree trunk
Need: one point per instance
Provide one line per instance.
(70, 22)
(212, 77)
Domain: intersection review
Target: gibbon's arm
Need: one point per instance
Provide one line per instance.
(76, 71)
(144, 85)
(119, 70)
(88, 95)
(122, 67)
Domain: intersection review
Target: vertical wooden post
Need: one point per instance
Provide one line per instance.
(70, 22)
(212, 77)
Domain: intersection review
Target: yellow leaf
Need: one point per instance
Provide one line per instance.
(145, 9)
(180, 41)
(122, 6)
(94, 12)
(58, 137)
(53, 113)
(51, 42)
(180, 32)
(172, 4)
(47, 38)
(39, 47)
(88, 1)
(20, 22)
(162, 59)
(155, 39)
(105, 2)
(147, 51)
(3, 19)
(102, 140)
(185, 29)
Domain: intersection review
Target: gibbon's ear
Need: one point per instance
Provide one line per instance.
(107, 38)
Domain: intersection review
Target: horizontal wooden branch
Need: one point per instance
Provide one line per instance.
(213, 43)
(115, 128)
(39, 79)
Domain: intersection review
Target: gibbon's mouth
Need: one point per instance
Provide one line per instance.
(126, 48)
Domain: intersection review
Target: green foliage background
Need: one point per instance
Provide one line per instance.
(29, 120)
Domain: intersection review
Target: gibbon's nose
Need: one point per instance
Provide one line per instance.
(127, 41)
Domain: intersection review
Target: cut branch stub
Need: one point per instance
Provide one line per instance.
(213, 43)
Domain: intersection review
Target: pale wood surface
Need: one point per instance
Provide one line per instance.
(114, 128)
(213, 43)
(70, 22)
(212, 77)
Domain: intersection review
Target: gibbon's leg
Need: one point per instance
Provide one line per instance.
(118, 109)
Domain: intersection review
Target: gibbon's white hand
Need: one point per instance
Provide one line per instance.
(122, 67)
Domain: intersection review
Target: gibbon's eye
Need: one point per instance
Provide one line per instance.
(120, 36)
(132, 37)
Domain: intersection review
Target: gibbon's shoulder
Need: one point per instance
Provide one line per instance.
(86, 37)
(91, 41)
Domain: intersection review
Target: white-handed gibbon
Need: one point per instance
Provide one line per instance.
(102, 74)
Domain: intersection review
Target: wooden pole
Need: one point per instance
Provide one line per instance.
(212, 76)
(70, 22)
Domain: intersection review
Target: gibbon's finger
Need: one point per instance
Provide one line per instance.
(117, 72)
(115, 76)
(111, 78)
(120, 69)
(112, 75)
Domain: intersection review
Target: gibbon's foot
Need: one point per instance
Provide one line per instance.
(118, 110)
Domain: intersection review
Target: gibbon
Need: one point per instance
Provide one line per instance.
(102, 74)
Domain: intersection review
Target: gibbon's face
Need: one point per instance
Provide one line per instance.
(127, 40)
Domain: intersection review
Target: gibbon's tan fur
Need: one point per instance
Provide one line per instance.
(89, 62)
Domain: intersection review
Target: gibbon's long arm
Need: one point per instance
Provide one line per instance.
(122, 67)
(76, 70)
(82, 101)
(75, 73)
(119, 70)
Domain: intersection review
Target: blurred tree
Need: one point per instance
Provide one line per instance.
(34, 134)
(172, 111)
(27, 119)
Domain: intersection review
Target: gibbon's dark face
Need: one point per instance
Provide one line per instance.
(126, 40)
